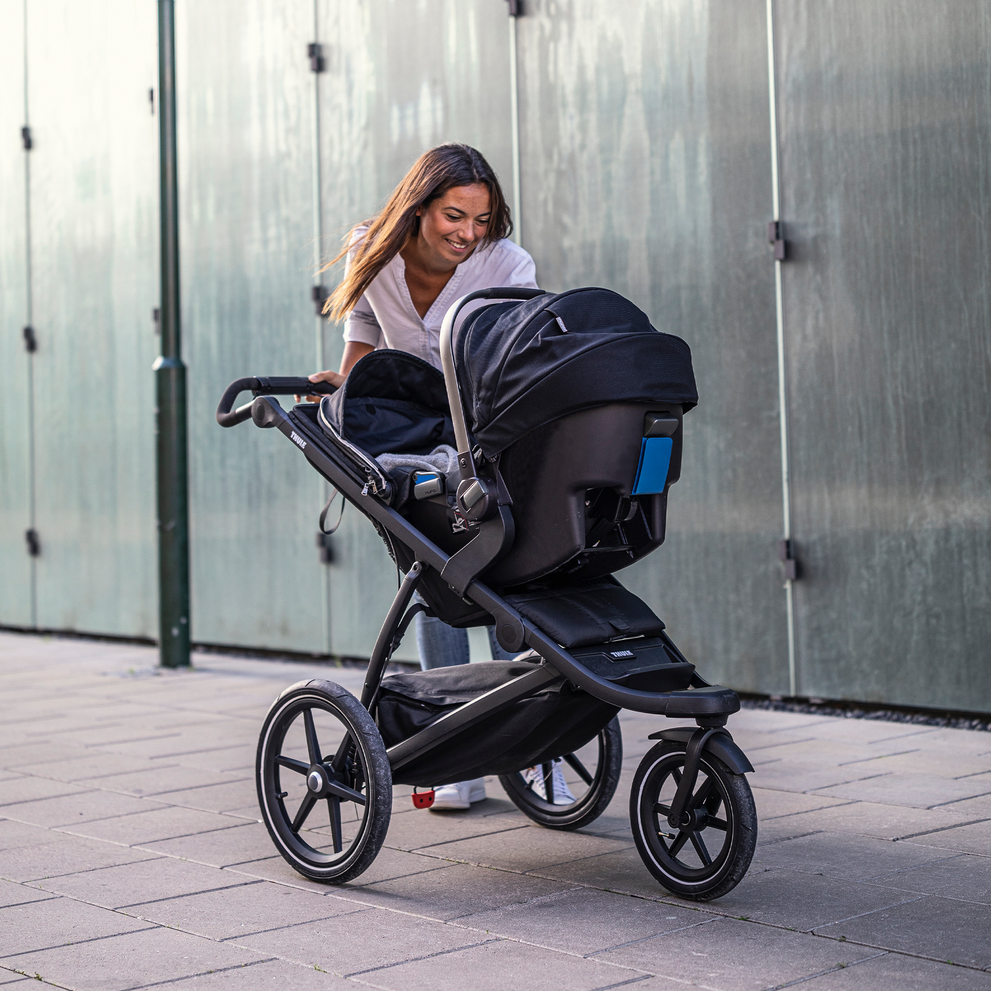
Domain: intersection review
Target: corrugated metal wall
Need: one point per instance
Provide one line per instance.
(646, 165)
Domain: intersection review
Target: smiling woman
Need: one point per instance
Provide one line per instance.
(443, 233)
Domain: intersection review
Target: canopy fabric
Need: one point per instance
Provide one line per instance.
(521, 365)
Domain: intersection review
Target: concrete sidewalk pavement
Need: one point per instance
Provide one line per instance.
(132, 856)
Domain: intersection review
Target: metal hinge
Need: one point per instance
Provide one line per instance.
(777, 241)
(786, 555)
(515, 7)
(314, 52)
(30, 340)
(319, 295)
(34, 542)
(26, 138)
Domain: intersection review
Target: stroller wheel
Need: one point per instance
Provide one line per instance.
(591, 775)
(324, 781)
(709, 857)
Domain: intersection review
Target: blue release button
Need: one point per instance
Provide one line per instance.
(655, 459)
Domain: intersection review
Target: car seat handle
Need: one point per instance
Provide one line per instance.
(466, 463)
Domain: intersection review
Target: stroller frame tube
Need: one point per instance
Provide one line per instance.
(706, 702)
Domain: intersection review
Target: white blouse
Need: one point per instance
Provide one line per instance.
(385, 315)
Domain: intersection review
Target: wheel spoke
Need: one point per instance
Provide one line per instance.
(662, 810)
(700, 796)
(548, 772)
(676, 774)
(306, 806)
(579, 768)
(717, 824)
(299, 766)
(334, 805)
(700, 848)
(342, 754)
(340, 790)
(312, 743)
(679, 843)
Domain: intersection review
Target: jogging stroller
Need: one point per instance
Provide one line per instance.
(516, 515)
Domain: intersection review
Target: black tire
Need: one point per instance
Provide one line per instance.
(593, 788)
(319, 743)
(700, 873)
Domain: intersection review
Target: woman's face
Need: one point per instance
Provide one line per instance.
(452, 225)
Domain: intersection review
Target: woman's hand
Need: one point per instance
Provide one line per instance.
(334, 378)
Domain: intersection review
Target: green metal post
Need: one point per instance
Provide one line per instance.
(170, 381)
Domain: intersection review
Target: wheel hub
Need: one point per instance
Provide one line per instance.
(315, 781)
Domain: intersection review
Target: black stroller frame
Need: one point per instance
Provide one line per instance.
(689, 786)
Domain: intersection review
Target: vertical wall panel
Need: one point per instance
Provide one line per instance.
(94, 224)
(646, 169)
(15, 491)
(246, 230)
(402, 77)
(886, 197)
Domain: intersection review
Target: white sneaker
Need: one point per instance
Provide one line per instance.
(534, 777)
(460, 795)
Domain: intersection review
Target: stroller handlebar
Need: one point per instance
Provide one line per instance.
(265, 385)
(465, 459)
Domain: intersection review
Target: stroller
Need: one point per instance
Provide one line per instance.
(515, 515)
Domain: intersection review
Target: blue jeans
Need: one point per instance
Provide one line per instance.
(440, 645)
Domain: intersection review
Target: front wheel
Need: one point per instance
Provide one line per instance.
(585, 780)
(324, 781)
(708, 855)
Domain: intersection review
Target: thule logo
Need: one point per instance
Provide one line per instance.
(299, 440)
(617, 654)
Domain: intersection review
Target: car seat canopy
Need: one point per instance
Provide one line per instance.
(521, 365)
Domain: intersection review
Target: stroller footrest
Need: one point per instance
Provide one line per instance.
(712, 701)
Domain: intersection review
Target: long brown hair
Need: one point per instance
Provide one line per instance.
(432, 175)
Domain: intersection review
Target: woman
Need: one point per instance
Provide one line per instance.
(443, 233)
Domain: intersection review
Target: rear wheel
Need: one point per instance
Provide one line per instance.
(324, 781)
(590, 773)
(708, 854)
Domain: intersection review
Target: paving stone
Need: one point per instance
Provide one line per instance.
(8, 978)
(15, 791)
(772, 803)
(454, 891)
(584, 921)
(417, 829)
(736, 956)
(971, 808)
(867, 731)
(360, 941)
(21, 753)
(161, 778)
(12, 893)
(66, 855)
(388, 865)
(807, 776)
(38, 925)
(830, 753)
(965, 878)
(135, 884)
(220, 848)
(215, 798)
(842, 855)
(501, 964)
(918, 791)
(276, 974)
(149, 956)
(531, 848)
(163, 823)
(16, 834)
(622, 871)
(78, 808)
(802, 902)
(890, 822)
(972, 838)
(925, 762)
(961, 936)
(893, 972)
(219, 759)
(86, 765)
(254, 907)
